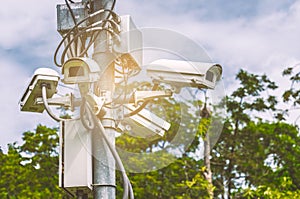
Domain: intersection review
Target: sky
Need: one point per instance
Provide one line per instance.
(261, 36)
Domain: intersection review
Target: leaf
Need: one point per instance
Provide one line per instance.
(287, 71)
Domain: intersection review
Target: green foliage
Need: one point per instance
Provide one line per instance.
(31, 170)
(253, 158)
(293, 93)
(281, 190)
(181, 179)
(253, 155)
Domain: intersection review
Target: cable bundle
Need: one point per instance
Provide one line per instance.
(78, 40)
(94, 125)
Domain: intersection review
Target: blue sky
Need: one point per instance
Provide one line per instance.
(261, 36)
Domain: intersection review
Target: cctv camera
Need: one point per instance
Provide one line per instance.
(185, 73)
(42, 77)
(80, 70)
(144, 124)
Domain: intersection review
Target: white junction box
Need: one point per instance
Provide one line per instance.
(131, 43)
(75, 160)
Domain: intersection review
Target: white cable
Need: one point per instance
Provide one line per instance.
(46, 105)
(85, 115)
(119, 163)
(127, 185)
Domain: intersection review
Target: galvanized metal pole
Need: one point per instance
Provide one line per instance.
(103, 161)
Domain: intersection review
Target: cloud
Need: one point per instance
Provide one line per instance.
(249, 43)
(14, 80)
(26, 21)
(260, 36)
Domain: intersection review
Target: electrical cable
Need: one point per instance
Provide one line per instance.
(114, 24)
(92, 40)
(125, 77)
(85, 115)
(69, 52)
(118, 71)
(85, 108)
(115, 99)
(113, 14)
(113, 5)
(80, 33)
(46, 105)
(71, 11)
(111, 31)
(85, 30)
(137, 110)
(112, 8)
(74, 20)
(126, 183)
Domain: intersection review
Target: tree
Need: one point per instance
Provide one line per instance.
(254, 158)
(31, 170)
(12, 173)
(254, 154)
(293, 93)
(183, 178)
(246, 99)
(282, 190)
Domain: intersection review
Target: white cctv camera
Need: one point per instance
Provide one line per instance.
(42, 77)
(185, 73)
(144, 124)
(80, 70)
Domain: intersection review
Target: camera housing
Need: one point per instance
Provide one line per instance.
(42, 76)
(80, 70)
(180, 73)
(144, 124)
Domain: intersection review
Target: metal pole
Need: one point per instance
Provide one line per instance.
(103, 161)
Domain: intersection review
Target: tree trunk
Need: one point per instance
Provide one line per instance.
(208, 173)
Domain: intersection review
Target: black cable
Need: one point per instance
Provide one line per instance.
(113, 100)
(71, 11)
(112, 23)
(94, 37)
(125, 76)
(137, 110)
(112, 8)
(113, 5)
(71, 51)
(92, 40)
(64, 38)
(113, 14)
(118, 71)
(74, 20)
(79, 34)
